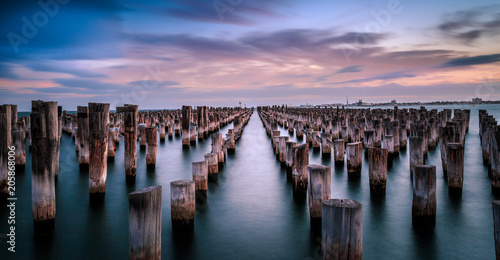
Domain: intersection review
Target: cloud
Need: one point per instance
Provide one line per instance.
(242, 12)
(385, 76)
(6, 71)
(90, 85)
(141, 83)
(47, 66)
(468, 61)
(355, 68)
(470, 25)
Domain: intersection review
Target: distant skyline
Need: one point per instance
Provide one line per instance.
(164, 54)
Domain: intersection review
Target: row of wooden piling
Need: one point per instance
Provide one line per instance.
(341, 220)
(382, 134)
(145, 204)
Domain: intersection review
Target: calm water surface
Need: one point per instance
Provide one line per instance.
(250, 212)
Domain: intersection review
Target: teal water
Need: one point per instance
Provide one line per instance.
(251, 213)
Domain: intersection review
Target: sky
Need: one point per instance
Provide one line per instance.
(165, 54)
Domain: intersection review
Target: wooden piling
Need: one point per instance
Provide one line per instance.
(424, 197)
(299, 170)
(289, 158)
(213, 166)
(186, 124)
(98, 164)
(354, 159)
(44, 128)
(112, 144)
(416, 152)
(326, 147)
(5, 143)
(377, 173)
(130, 118)
(144, 223)
(496, 227)
(18, 141)
(455, 164)
(218, 148)
(83, 135)
(200, 178)
(319, 188)
(182, 205)
(152, 147)
(342, 229)
(339, 149)
(282, 149)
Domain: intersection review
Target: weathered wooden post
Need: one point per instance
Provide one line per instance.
(152, 147)
(416, 152)
(326, 147)
(200, 178)
(354, 159)
(44, 130)
(18, 141)
(455, 164)
(339, 149)
(424, 196)
(213, 166)
(83, 135)
(494, 159)
(496, 224)
(289, 158)
(144, 223)
(231, 143)
(142, 136)
(217, 148)
(130, 122)
(186, 124)
(342, 229)
(182, 205)
(112, 144)
(316, 142)
(192, 135)
(59, 135)
(299, 170)
(319, 189)
(98, 164)
(282, 149)
(5, 142)
(377, 173)
(388, 143)
(369, 139)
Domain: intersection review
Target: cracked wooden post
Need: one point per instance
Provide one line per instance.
(342, 229)
(354, 159)
(369, 139)
(112, 143)
(5, 141)
(424, 197)
(326, 147)
(142, 136)
(83, 135)
(186, 124)
(339, 150)
(319, 189)
(231, 147)
(217, 148)
(59, 135)
(144, 223)
(388, 143)
(377, 173)
(496, 226)
(274, 139)
(299, 170)
(455, 164)
(44, 127)
(282, 149)
(200, 178)
(289, 158)
(161, 127)
(152, 147)
(213, 166)
(130, 117)
(416, 152)
(98, 164)
(182, 205)
(495, 160)
(18, 141)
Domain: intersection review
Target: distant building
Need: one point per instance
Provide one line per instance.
(393, 102)
(477, 100)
